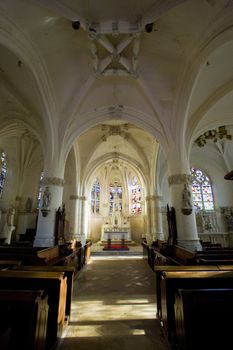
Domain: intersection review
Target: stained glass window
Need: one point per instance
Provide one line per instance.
(136, 207)
(115, 197)
(201, 190)
(40, 190)
(95, 198)
(3, 171)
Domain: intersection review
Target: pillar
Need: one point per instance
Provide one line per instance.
(74, 211)
(187, 235)
(149, 236)
(46, 220)
(157, 218)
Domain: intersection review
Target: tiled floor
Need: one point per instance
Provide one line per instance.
(114, 307)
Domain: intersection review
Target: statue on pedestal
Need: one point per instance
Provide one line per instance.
(9, 225)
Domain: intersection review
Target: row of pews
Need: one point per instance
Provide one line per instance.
(36, 286)
(194, 299)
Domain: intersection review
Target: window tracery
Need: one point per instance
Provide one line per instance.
(3, 171)
(95, 197)
(201, 190)
(135, 189)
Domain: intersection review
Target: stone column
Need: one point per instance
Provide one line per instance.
(185, 216)
(47, 215)
(157, 213)
(74, 211)
(83, 231)
(149, 236)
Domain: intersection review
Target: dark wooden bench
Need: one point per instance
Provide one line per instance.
(9, 264)
(87, 251)
(27, 255)
(215, 257)
(184, 255)
(172, 282)
(23, 321)
(54, 284)
(58, 256)
(69, 273)
(202, 318)
(160, 270)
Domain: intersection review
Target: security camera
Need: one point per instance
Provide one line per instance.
(76, 25)
(149, 27)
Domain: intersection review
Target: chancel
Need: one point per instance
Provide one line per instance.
(116, 225)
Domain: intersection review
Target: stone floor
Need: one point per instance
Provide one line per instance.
(113, 307)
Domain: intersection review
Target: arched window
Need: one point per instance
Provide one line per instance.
(95, 197)
(136, 196)
(115, 197)
(40, 190)
(201, 190)
(3, 171)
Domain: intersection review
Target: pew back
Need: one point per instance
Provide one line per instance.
(54, 284)
(23, 322)
(171, 282)
(202, 318)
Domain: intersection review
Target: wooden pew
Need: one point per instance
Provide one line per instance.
(202, 318)
(58, 256)
(215, 258)
(69, 273)
(27, 255)
(87, 251)
(23, 321)
(172, 282)
(160, 270)
(9, 264)
(54, 284)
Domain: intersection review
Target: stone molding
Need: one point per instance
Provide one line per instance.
(55, 181)
(179, 179)
(74, 197)
(156, 198)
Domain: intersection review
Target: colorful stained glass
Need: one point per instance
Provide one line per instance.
(3, 171)
(201, 190)
(135, 196)
(95, 197)
(115, 197)
(40, 190)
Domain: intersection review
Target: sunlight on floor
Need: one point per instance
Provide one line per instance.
(119, 310)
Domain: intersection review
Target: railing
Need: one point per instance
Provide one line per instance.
(215, 238)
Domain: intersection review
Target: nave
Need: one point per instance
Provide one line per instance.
(113, 307)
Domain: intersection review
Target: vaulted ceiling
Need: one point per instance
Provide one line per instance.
(161, 65)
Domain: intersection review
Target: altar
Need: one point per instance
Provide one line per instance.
(116, 235)
(116, 228)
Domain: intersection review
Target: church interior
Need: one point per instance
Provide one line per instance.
(116, 133)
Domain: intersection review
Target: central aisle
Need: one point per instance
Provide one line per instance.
(114, 307)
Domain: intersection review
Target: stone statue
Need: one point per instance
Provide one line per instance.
(46, 199)
(28, 205)
(186, 197)
(9, 225)
(186, 201)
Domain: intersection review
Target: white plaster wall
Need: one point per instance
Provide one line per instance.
(95, 228)
(137, 224)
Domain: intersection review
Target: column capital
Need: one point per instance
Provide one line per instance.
(178, 179)
(74, 197)
(156, 198)
(55, 181)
